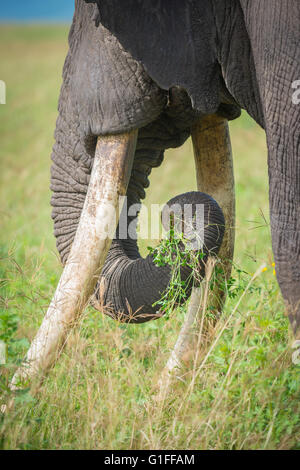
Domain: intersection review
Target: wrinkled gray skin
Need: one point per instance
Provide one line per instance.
(159, 66)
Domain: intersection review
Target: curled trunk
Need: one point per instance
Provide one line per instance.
(130, 285)
(133, 285)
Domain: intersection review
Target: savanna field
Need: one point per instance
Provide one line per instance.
(242, 392)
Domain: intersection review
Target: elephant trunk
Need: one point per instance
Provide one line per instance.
(131, 287)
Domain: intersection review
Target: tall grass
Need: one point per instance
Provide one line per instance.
(243, 390)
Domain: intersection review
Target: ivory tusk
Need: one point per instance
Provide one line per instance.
(109, 180)
(214, 173)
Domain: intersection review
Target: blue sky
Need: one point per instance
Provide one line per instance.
(36, 10)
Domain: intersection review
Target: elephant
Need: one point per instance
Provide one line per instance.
(141, 77)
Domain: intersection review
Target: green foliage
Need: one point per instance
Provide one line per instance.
(173, 251)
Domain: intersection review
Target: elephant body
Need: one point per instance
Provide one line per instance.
(160, 67)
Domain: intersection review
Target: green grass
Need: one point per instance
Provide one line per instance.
(101, 393)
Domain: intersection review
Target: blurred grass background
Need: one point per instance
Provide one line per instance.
(100, 394)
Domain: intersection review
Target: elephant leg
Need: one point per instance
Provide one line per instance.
(214, 173)
(276, 50)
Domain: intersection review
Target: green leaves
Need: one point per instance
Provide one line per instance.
(173, 252)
